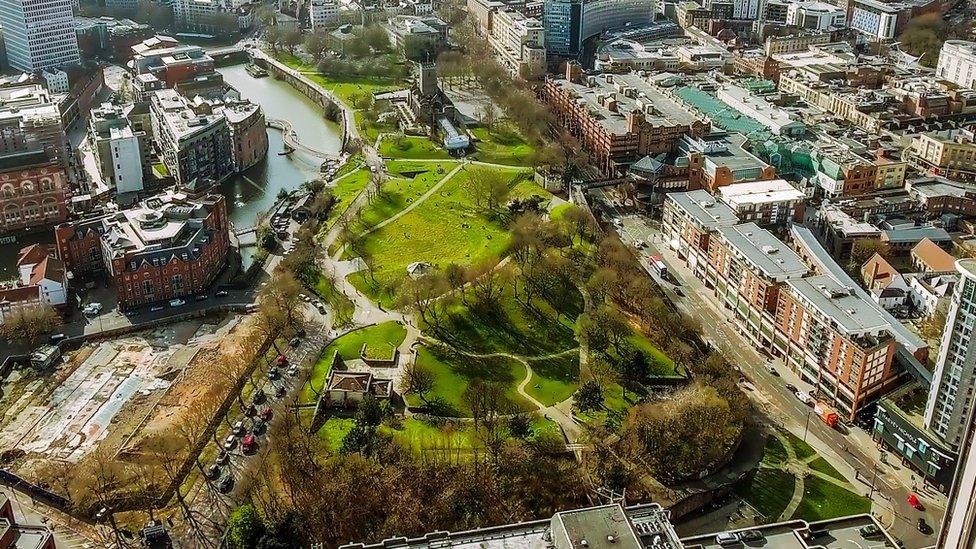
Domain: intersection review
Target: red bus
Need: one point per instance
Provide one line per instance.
(659, 266)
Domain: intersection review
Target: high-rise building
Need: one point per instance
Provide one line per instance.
(950, 402)
(569, 23)
(959, 524)
(39, 34)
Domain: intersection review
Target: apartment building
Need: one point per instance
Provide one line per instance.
(959, 524)
(39, 34)
(773, 202)
(30, 120)
(569, 23)
(957, 63)
(816, 15)
(949, 153)
(519, 42)
(166, 246)
(951, 396)
(34, 192)
(618, 118)
(123, 154)
(837, 340)
(689, 220)
(195, 144)
(801, 308)
(854, 102)
(323, 14)
(248, 132)
(795, 42)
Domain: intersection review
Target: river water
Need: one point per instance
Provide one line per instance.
(254, 191)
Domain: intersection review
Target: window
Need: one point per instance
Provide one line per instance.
(177, 282)
(147, 288)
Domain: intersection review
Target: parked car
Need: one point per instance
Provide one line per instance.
(280, 392)
(678, 292)
(222, 458)
(229, 442)
(923, 526)
(250, 444)
(266, 413)
(213, 471)
(92, 309)
(176, 302)
(202, 297)
(238, 429)
(727, 538)
(57, 338)
(791, 388)
(804, 397)
(869, 531)
(250, 410)
(293, 370)
(156, 308)
(221, 293)
(225, 484)
(320, 307)
(281, 360)
(295, 341)
(260, 396)
(273, 374)
(258, 427)
(772, 370)
(751, 535)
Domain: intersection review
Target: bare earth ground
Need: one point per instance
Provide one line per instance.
(110, 395)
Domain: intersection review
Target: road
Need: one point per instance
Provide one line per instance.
(854, 453)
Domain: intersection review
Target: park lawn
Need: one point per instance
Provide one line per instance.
(661, 364)
(554, 379)
(824, 500)
(822, 465)
(343, 87)
(381, 337)
(398, 193)
(352, 164)
(511, 327)
(454, 372)
(542, 426)
(334, 430)
(802, 449)
(413, 168)
(502, 145)
(421, 436)
(411, 147)
(559, 211)
(769, 491)
(774, 453)
(345, 189)
(446, 228)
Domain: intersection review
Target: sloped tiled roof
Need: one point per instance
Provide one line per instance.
(32, 255)
(49, 268)
(935, 258)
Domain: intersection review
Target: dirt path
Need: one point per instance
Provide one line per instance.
(415, 203)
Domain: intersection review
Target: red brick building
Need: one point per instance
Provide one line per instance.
(165, 247)
(34, 192)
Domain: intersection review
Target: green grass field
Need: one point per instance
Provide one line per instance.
(802, 449)
(421, 436)
(502, 145)
(554, 379)
(446, 228)
(345, 190)
(334, 430)
(661, 364)
(769, 492)
(344, 88)
(823, 500)
(399, 192)
(380, 336)
(411, 147)
(822, 465)
(774, 453)
(454, 372)
(512, 327)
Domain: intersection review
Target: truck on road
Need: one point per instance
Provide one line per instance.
(827, 414)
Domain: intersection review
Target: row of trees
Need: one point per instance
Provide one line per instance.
(390, 491)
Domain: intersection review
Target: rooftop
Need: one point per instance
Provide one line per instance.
(180, 119)
(935, 258)
(760, 192)
(766, 253)
(848, 310)
(840, 533)
(845, 224)
(707, 212)
(916, 234)
(609, 97)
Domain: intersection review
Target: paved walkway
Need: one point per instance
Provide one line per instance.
(420, 200)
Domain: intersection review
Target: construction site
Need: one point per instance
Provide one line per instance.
(129, 404)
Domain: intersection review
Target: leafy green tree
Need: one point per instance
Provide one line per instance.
(633, 364)
(244, 527)
(589, 396)
(369, 413)
(520, 426)
(356, 440)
